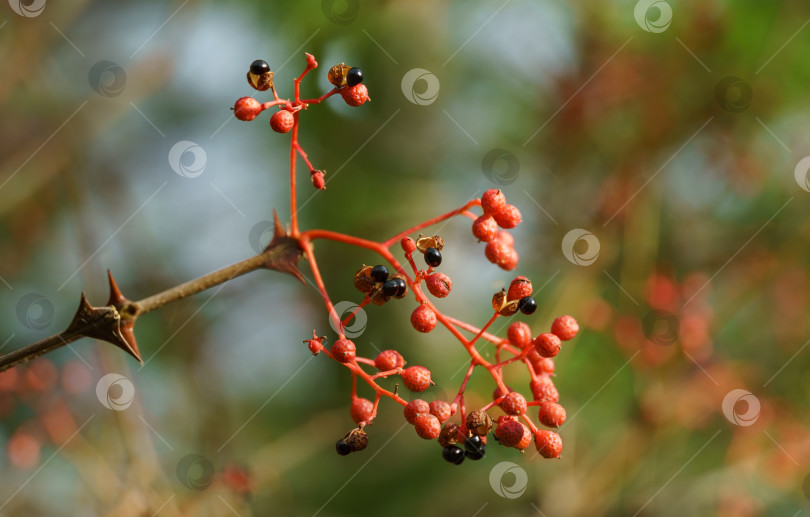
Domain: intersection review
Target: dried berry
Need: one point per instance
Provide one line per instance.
(479, 422)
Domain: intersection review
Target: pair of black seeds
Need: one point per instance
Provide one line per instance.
(390, 287)
(353, 77)
(473, 449)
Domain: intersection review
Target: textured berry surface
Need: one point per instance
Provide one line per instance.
(547, 344)
(439, 285)
(485, 228)
(344, 351)
(423, 319)
(543, 389)
(508, 217)
(282, 121)
(416, 378)
(478, 422)
(318, 180)
(427, 426)
(388, 360)
(519, 334)
(498, 252)
(509, 432)
(519, 288)
(247, 108)
(415, 408)
(441, 410)
(565, 327)
(514, 404)
(526, 440)
(493, 201)
(551, 414)
(361, 409)
(549, 444)
(355, 95)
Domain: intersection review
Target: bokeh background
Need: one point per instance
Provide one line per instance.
(656, 150)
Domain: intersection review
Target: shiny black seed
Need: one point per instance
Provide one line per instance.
(433, 257)
(390, 287)
(343, 448)
(453, 454)
(476, 455)
(527, 305)
(354, 76)
(472, 443)
(402, 287)
(259, 67)
(379, 273)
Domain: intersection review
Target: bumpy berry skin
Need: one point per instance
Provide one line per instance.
(379, 273)
(357, 439)
(497, 252)
(344, 351)
(493, 201)
(449, 435)
(526, 440)
(355, 95)
(423, 319)
(408, 245)
(427, 426)
(508, 217)
(542, 365)
(433, 257)
(547, 344)
(509, 432)
(565, 327)
(415, 408)
(510, 261)
(549, 444)
(318, 180)
(527, 305)
(247, 108)
(282, 121)
(519, 334)
(416, 378)
(514, 404)
(453, 454)
(485, 228)
(543, 389)
(519, 288)
(441, 410)
(439, 284)
(361, 410)
(478, 422)
(506, 238)
(388, 360)
(551, 414)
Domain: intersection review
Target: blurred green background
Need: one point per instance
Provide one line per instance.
(670, 134)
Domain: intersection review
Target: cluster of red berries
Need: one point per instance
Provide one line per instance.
(500, 248)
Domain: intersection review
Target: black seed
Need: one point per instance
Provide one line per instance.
(476, 455)
(453, 454)
(379, 273)
(433, 257)
(527, 305)
(354, 76)
(402, 287)
(343, 448)
(259, 67)
(472, 443)
(390, 287)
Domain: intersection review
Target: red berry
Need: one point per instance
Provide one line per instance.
(549, 444)
(344, 351)
(498, 392)
(497, 252)
(416, 378)
(485, 228)
(439, 285)
(526, 440)
(423, 318)
(514, 404)
(427, 426)
(543, 365)
(551, 414)
(317, 180)
(543, 389)
(510, 261)
(547, 345)
(441, 410)
(282, 121)
(519, 288)
(506, 238)
(355, 95)
(508, 217)
(565, 327)
(408, 245)
(519, 334)
(415, 408)
(247, 108)
(361, 410)
(493, 201)
(388, 360)
(509, 432)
